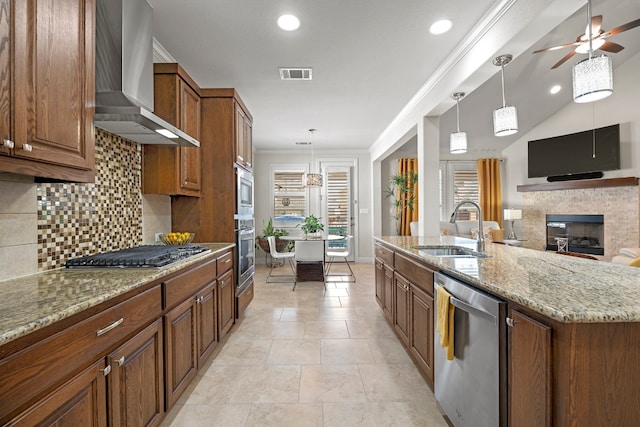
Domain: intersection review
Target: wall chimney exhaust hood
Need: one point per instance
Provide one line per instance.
(124, 75)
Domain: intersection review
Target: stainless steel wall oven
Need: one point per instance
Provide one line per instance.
(245, 249)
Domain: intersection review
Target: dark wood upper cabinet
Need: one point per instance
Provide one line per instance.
(47, 89)
(168, 169)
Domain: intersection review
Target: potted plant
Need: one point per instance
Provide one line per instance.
(311, 225)
(268, 230)
(401, 192)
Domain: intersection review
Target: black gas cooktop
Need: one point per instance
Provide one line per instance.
(138, 257)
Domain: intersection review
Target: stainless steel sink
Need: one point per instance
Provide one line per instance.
(449, 252)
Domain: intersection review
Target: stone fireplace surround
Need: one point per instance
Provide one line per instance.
(620, 206)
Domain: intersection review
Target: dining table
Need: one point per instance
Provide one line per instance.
(310, 255)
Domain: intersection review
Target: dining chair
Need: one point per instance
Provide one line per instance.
(277, 256)
(333, 253)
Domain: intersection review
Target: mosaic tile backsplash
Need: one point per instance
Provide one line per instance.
(83, 219)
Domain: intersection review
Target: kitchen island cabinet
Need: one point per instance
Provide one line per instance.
(409, 289)
(167, 169)
(47, 89)
(574, 326)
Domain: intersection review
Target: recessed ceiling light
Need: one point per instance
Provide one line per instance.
(555, 89)
(440, 27)
(288, 22)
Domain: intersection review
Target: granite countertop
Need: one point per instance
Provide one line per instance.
(32, 302)
(564, 288)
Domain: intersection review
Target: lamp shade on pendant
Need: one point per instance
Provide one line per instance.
(458, 143)
(314, 180)
(505, 121)
(458, 139)
(592, 79)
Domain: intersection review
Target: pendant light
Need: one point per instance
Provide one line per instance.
(592, 77)
(458, 140)
(505, 119)
(313, 179)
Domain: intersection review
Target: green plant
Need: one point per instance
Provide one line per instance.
(268, 230)
(311, 224)
(401, 191)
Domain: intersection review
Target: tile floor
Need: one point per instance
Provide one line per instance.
(309, 358)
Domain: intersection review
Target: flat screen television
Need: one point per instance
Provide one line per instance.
(573, 154)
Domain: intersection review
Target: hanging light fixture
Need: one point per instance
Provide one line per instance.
(458, 140)
(313, 179)
(505, 119)
(592, 77)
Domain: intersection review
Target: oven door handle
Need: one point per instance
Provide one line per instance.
(245, 231)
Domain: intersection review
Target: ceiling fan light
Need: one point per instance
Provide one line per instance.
(584, 47)
(458, 143)
(592, 79)
(505, 121)
(314, 180)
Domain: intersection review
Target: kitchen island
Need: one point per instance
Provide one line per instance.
(72, 340)
(572, 348)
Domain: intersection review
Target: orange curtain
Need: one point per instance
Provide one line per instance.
(490, 191)
(408, 206)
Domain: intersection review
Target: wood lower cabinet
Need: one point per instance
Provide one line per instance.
(47, 89)
(421, 333)
(226, 303)
(180, 335)
(401, 308)
(529, 371)
(167, 169)
(79, 402)
(136, 381)
(404, 291)
(207, 317)
(124, 362)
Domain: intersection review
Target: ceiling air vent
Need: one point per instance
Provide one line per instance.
(295, 73)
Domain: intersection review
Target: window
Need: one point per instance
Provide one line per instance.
(458, 182)
(289, 196)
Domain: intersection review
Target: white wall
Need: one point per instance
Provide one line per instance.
(363, 210)
(621, 107)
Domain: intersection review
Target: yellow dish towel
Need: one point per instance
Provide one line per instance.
(444, 322)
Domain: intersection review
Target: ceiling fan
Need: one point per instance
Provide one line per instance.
(598, 40)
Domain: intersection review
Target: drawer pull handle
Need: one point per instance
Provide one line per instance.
(110, 327)
(9, 143)
(510, 322)
(120, 361)
(106, 370)
(227, 261)
(27, 147)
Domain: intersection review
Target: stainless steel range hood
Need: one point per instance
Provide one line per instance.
(124, 75)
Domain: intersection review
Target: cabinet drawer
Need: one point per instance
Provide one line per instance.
(244, 299)
(385, 254)
(185, 285)
(36, 369)
(418, 274)
(225, 263)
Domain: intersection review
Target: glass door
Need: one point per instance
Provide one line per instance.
(338, 204)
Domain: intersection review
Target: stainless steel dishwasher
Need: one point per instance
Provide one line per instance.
(471, 388)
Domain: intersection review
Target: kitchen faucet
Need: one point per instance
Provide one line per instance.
(454, 215)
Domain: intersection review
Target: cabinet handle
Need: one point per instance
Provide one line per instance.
(227, 261)
(27, 147)
(199, 299)
(240, 158)
(510, 322)
(8, 143)
(106, 370)
(120, 361)
(110, 327)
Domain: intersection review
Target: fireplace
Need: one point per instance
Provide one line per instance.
(583, 233)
